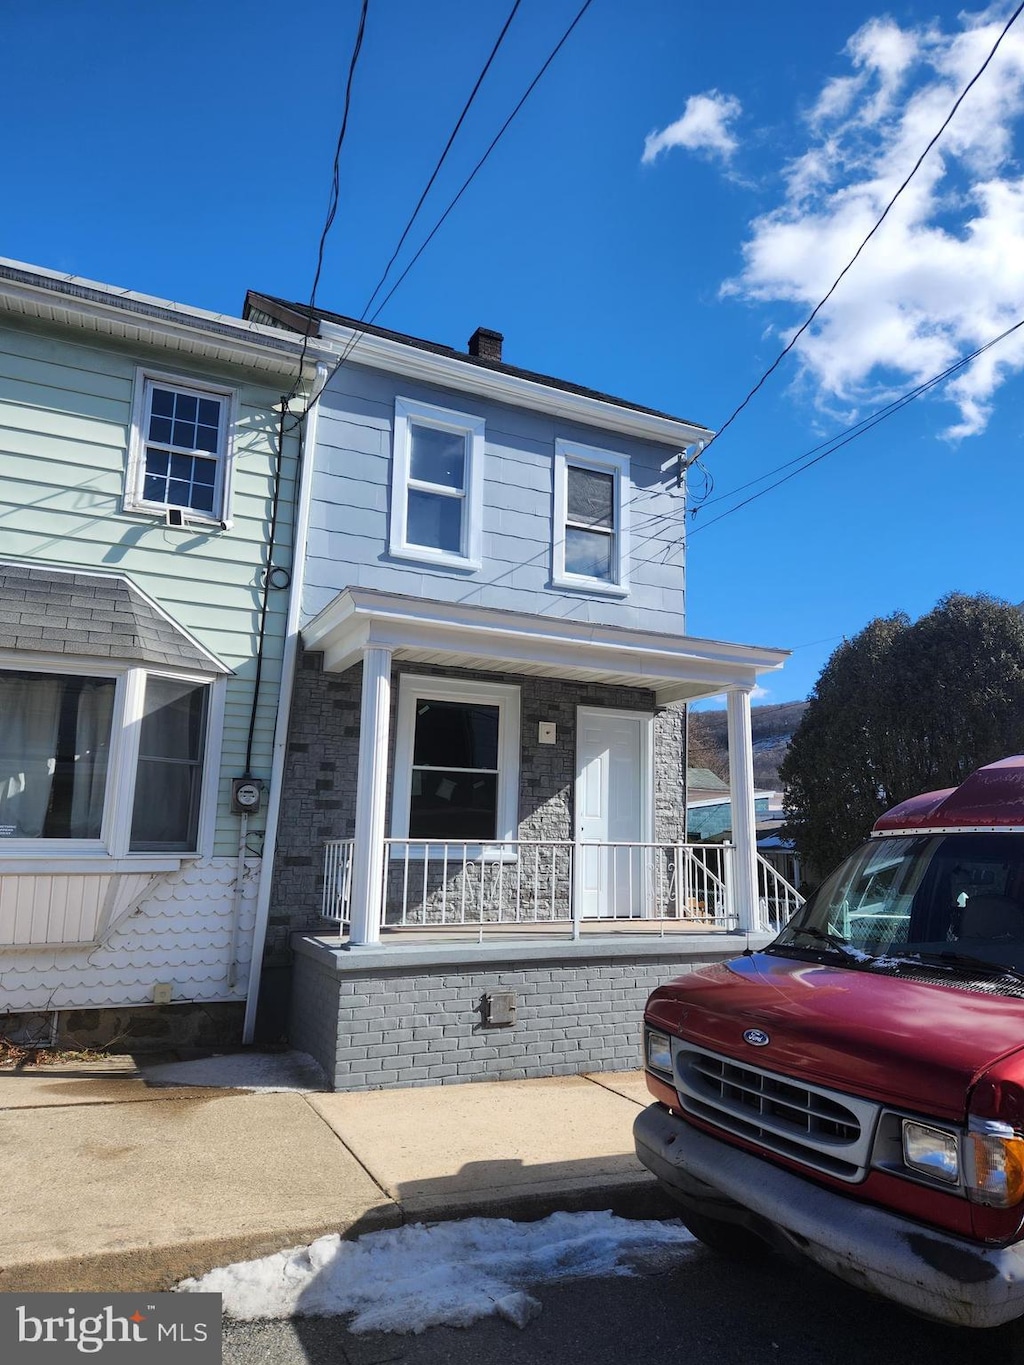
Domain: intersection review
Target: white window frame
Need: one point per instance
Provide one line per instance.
(134, 501)
(412, 689)
(410, 413)
(111, 850)
(604, 462)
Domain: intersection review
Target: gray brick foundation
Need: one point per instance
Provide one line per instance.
(413, 1016)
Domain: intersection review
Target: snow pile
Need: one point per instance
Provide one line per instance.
(410, 1278)
(266, 1071)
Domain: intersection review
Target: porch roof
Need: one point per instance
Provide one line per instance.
(674, 667)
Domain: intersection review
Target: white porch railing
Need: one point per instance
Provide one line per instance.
(554, 882)
(777, 900)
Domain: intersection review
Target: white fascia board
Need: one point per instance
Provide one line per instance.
(452, 373)
(35, 292)
(361, 617)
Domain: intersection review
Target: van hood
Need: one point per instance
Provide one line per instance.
(913, 1044)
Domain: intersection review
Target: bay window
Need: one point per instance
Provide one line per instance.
(107, 762)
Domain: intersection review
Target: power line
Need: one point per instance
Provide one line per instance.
(335, 194)
(860, 429)
(885, 213)
(441, 160)
(466, 184)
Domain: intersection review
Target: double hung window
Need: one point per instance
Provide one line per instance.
(591, 526)
(456, 761)
(437, 495)
(180, 449)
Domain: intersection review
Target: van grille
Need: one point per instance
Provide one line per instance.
(822, 1129)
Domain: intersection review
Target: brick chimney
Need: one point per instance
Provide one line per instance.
(485, 344)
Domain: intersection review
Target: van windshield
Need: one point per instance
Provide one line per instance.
(952, 899)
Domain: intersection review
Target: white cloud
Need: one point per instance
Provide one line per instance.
(945, 273)
(705, 126)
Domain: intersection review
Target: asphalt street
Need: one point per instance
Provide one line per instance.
(707, 1311)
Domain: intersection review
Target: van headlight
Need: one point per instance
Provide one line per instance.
(658, 1051)
(933, 1152)
(994, 1164)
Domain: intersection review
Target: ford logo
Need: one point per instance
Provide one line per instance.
(756, 1037)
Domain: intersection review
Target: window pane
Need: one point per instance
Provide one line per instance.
(163, 402)
(453, 735)
(169, 776)
(209, 412)
(172, 720)
(206, 438)
(589, 553)
(54, 746)
(184, 435)
(160, 429)
(185, 407)
(435, 521)
(591, 497)
(437, 456)
(453, 806)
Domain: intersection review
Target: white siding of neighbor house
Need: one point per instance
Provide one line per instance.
(65, 414)
(348, 536)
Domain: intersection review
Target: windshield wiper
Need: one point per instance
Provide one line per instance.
(840, 945)
(951, 959)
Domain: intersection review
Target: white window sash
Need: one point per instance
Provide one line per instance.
(570, 454)
(412, 689)
(134, 501)
(408, 414)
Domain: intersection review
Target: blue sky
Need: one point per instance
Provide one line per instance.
(682, 186)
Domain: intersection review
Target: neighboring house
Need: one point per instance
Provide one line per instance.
(482, 820)
(708, 810)
(142, 451)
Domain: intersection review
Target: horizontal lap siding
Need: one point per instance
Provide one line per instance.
(65, 413)
(349, 521)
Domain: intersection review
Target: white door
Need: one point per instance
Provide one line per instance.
(612, 810)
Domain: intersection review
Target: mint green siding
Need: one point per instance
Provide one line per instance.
(65, 418)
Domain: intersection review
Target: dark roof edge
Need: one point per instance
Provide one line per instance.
(295, 316)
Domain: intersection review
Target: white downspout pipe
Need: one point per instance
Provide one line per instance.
(307, 457)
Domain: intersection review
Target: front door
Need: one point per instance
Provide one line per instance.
(612, 811)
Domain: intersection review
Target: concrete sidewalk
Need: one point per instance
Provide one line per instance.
(110, 1183)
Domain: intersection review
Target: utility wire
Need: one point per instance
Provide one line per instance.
(335, 194)
(440, 161)
(860, 429)
(885, 213)
(465, 185)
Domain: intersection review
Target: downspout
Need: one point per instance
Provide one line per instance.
(307, 453)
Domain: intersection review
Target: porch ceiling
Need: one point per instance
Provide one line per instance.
(674, 667)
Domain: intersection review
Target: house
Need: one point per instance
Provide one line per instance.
(145, 550)
(708, 812)
(482, 863)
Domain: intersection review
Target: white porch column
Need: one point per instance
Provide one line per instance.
(371, 792)
(741, 798)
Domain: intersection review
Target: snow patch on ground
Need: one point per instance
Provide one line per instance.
(266, 1071)
(410, 1278)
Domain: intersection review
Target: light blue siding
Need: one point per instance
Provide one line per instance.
(349, 517)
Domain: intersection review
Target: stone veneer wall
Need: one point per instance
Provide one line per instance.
(578, 1008)
(319, 799)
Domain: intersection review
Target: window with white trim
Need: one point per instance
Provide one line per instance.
(456, 761)
(437, 485)
(111, 761)
(180, 453)
(590, 547)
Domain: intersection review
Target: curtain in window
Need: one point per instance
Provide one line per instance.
(29, 721)
(92, 738)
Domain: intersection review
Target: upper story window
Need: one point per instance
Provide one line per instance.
(180, 454)
(591, 519)
(437, 492)
(456, 761)
(96, 761)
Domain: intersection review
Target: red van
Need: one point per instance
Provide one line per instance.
(854, 1092)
